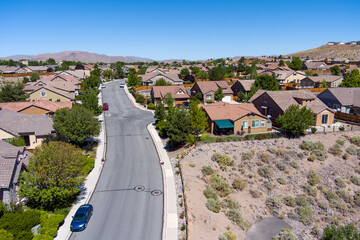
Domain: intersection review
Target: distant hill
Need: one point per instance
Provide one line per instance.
(80, 56)
(331, 51)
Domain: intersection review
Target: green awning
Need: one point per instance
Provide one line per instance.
(224, 124)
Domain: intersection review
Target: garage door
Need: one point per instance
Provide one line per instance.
(226, 99)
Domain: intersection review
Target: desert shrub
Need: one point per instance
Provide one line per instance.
(341, 232)
(331, 196)
(271, 150)
(210, 193)
(312, 158)
(355, 140)
(273, 202)
(339, 182)
(301, 200)
(357, 169)
(311, 146)
(357, 200)
(355, 180)
(313, 178)
(310, 190)
(239, 184)
(222, 159)
(264, 157)
(248, 155)
(294, 164)
(313, 129)
(319, 154)
(219, 185)
(351, 150)
(289, 201)
(229, 203)
(335, 150)
(255, 193)
(280, 166)
(192, 164)
(340, 142)
(323, 205)
(235, 216)
(341, 193)
(227, 236)
(285, 234)
(265, 171)
(282, 181)
(213, 205)
(346, 156)
(279, 152)
(268, 185)
(207, 170)
(305, 214)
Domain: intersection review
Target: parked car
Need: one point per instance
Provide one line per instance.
(122, 85)
(81, 218)
(103, 86)
(105, 106)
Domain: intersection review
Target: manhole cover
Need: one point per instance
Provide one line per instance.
(139, 188)
(156, 192)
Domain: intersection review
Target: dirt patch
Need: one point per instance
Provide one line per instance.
(269, 171)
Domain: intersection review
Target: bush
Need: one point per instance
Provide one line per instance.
(42, 237)
(273, 202)
(210, 193)
(355, 180)
(331, 196)
(5, 235)
(229, 203)
(264, 157)
(265, 171)
(227, 236)
(341, 232)
(239, 184)
(140, 98)
(319, 154)
(213, 205)
(280, 166)
(255, 193)
(151, 106)
(219, 185)
(335, 150)
(310, 190)
(248, 155)
(294, 164)
(235, 216)
(313, 178)
(323, 205)
(355, 140)
(222, 159)
(340, 182)
(289, 201)
(269, 186)
(346, 156)
(313, 129)
(282, 181)
(285, 234)
(207, 170)
(305, 214)
(301, 200)
(311, 146)
(272, 150)
(351, 150)
(89, 165)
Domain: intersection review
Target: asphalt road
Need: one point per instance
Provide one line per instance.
(120, 212)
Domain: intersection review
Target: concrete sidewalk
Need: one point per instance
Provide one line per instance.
(90, 181)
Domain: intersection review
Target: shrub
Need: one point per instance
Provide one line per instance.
(335, 150)
(285, 234)
(210, 193)
(301, 200)
(222, 159)
(140, 98)
(268, 185)
(323, 205)
(192, 164)
(313, 129)
(355, 140)
(228, 236)
(282, 181)
(248, 155)
(89, 165)
(355, 180)
(341, 193)
(151, 106)
(294, 164)
(311, 146)
(5, 235)
(280, 166)
(346, 156)
(273, 202)
(207, 170)
(357, 169)
(313, 178)
(239, 184)
(310, 190)
(340, 182)
(213, 205)
(42, 237)
(289, 201)
(342, 128)
(272, 150)
(340, 142)
(264, 157)
(219, 185)
(331, 196)
(351, 150)
(341, 232)
(235, 216)
(305, 214)
(255, 193)
(264, 171)
(229, 203)
(319, 154)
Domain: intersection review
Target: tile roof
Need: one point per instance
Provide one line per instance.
(247, 84)
(50, 106)
(173, 76)
(67, 78)
(212, 86)
(327, 78)
(346, 96)
(223, 111)
(315, 65)
(177, 92)
(19, 123)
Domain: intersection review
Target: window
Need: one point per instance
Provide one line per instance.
(334, 84)
(324, 119)
(270, 111)
(265, 99)
(43, 94)
(208, 96)
(262, 123)
(255, 123)
(245, 124)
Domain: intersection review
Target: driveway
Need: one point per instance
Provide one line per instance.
(122, 211)
(266, 229)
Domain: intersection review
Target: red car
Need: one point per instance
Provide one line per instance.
(106, 106)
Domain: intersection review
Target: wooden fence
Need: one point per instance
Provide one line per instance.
(25, 74)
(347, 117)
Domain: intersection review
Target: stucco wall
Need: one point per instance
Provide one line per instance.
(5, 135)
(238, 124)
(49, 95)
(319, 116)
(34, 111)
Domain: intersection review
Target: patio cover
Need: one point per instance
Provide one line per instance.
(224, 124)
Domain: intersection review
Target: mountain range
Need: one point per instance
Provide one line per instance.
(331, 51)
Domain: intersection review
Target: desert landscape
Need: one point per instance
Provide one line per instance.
(309, 182)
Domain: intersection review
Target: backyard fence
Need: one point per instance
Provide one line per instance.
(347, 117)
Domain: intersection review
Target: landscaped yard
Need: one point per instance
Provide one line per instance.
(310, 182)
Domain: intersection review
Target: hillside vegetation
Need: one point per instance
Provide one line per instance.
(335, 51)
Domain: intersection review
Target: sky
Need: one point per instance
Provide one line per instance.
(186, 29)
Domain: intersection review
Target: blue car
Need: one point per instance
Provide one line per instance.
(81, 218)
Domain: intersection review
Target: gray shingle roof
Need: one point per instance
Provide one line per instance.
(347, 96)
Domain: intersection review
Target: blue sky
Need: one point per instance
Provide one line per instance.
(175, 29)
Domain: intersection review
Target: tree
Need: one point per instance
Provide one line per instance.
(217, 73)
(5, 235)
(90, 101)
(34, 77)
(203, 75)
(195, 71)
(162, 82)
(267, 82)
(335, 70)
(198, 120)
(295, 64)
(241, 67)
(160, 112)
(323, 84)
(347, 232)
(295, 120)
(281, 63)
(55, 172)
(76, 124)
(133, 80)
(184, 72)
(219, 95)
(199, 96)
(91, 82)
(25, 80)
(17, 141)
(352, 79)
(242, 97)
(50, 61)
(13, 93)
(179, 128)
(109, 74)
(168, 100)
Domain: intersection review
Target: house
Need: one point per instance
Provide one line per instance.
(13, 161)
(33, 128)
(289, 76)
(316, 81)
(315, 66)
(36, 108)
(275, 103)
(52, 91)
(242, 86)
(62, 78)
(80, 74)
(38, 69)
(340, 60)
(235, 118)
(153, 69)
(346, 100)
(177, 92)
(208, 89)
(151, 78)
(12, 70)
